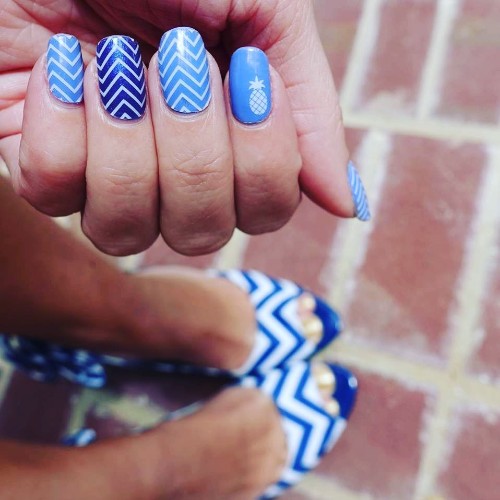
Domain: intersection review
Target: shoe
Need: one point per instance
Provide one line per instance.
(314, 402)
(293, 325)
(312, 427)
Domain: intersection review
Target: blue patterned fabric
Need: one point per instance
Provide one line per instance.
(80, 438)
(122, 84)
(46, 362)
(310, 431)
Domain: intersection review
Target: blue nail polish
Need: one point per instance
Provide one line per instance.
(250, 85)
(184, 71)
(65, 68)
(121, 77)
(361, 207)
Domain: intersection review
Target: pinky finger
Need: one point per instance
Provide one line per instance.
(53, 151)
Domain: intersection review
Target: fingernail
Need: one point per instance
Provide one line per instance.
(121, 77)
(250, 85)
(184, 71)
(361, 207)
(65, 68)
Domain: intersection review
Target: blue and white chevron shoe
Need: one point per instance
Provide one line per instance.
(282, 338)
(46, 362)
(312, 427)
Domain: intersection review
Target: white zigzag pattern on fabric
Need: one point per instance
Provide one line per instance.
(184, 74)
(307, 430)
(274, 324)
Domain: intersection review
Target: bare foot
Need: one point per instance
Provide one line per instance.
(233, 448)
(206, 320)
(195, 318)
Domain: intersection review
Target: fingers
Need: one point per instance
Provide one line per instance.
(193, 145)
(197, 154)
(52, 154)
(302, 63)
(121, 210)
(266, 155)
(194, 160)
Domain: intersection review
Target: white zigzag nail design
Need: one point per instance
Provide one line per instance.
(65, 68)
(122, 83)
(358, 194)
(184, 71)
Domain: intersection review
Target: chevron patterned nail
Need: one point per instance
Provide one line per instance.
(121, 77)
(310, 431)
(184, 71)
(65, 68)
(359, 197)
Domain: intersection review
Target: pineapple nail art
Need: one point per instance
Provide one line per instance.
(250, 86)
(258, 98)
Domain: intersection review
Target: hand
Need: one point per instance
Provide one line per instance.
(196, 177)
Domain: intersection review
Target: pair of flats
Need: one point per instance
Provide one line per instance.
(314, 399)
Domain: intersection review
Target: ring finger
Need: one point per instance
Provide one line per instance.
(121, 211)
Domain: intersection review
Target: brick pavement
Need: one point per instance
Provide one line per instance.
(419, 287)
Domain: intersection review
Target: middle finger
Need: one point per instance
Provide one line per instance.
(193, 145)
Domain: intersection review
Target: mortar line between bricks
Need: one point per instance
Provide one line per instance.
(316, 487)
(351, 238)
(362, 51)
(432, 75)
(410, 373)
(464, 319)
(232, 255)
(434, 128)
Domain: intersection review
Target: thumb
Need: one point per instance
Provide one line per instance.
(327, 176)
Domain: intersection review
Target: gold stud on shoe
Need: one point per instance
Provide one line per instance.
(306, 304)
(324, 377)
(313, 329)
(332, 407)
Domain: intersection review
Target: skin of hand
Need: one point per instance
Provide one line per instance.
(192, 180)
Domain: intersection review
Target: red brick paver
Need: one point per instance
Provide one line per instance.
(426, 351)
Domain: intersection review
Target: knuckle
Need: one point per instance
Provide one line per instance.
(52, 187)
(203, 171)
(196, 244)
(125, 181)
(198, 229)
(118, 240)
